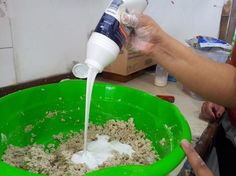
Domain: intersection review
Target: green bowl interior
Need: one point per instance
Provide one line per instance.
(156, 118)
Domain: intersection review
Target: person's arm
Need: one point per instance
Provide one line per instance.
(213, 81)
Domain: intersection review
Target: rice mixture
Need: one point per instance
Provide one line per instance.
(54, 161)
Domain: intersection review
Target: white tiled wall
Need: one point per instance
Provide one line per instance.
(184, 19)
(5, 33)
(7, 72)
(7, 69)
(48, 35)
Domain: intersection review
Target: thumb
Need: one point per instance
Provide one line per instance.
(129, 20)
(195, 160)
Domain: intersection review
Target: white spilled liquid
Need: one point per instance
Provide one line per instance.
(99, 151)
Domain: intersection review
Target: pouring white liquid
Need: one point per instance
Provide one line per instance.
(103, 48)
(97, 152)
(92, 73)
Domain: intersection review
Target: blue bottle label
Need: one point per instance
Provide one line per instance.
(111, 27)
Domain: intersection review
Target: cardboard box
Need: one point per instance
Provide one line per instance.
(129, 62)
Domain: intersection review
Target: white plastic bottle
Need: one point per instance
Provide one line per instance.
(109, 36)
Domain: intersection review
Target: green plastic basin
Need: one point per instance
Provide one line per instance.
(156, 118)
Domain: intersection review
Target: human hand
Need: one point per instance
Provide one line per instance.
(198, 165)
(211, 110)
(147, 33)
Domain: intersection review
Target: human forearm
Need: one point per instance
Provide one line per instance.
(213, 81)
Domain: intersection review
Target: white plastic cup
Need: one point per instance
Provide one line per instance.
(161, 76)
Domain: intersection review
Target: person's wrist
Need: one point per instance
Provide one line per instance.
(162, 41)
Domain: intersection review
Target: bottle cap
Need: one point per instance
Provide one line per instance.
(80, 70)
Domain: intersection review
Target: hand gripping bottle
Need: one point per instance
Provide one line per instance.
(109, 36)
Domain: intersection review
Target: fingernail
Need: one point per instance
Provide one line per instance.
(185, 143)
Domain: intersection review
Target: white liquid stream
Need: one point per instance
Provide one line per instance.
(97, 152)
(92, 73)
